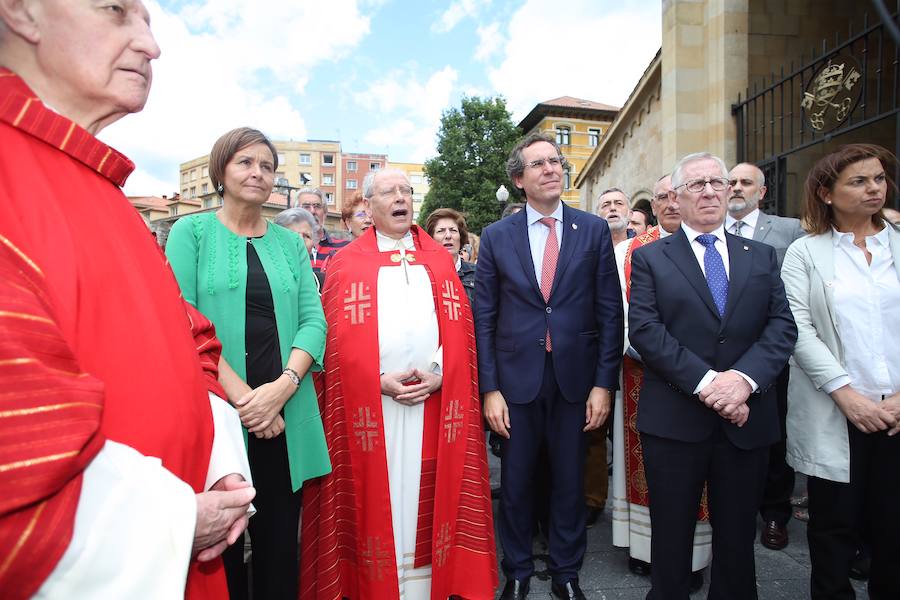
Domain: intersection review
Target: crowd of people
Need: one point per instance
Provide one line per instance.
(331, 395)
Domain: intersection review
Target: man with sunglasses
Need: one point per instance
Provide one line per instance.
(709, 317)
(549, 326)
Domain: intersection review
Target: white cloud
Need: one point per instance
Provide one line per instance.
(215, 73)
(597, 52)
(456, 12)
(142, 183)
(411, 111)
(490, 40)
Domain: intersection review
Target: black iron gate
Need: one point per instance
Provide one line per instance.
(840, 88)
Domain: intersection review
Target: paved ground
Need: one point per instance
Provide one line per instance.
(781, 575)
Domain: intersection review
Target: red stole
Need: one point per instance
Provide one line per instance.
(632, 381)
(347, 538)
(111, 337)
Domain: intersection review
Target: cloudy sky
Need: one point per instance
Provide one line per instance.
(374, 74)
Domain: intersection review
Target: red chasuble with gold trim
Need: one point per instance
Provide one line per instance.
(95, 341)
(347, 539)
(632, 381)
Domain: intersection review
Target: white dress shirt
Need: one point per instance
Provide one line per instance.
(538, 232)
(699, 250)
(867, 311)
(749, 226)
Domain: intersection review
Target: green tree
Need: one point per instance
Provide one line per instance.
(474, 142)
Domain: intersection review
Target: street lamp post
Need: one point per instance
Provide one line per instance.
(502, 194)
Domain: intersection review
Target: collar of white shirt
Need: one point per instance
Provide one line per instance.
(692, 234)
(386, 243)
(534, 216)
(749, 221)
(882, 237)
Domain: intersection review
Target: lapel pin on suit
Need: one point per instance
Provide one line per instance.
(746, 248)
(574, 226)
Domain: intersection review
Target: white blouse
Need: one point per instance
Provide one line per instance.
(867, 311)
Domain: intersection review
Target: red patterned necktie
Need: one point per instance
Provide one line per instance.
(548, 266)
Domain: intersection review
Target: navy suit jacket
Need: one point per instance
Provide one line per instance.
(675, 326)
(584, 312)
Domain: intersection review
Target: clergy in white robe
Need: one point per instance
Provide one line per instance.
(406, 512)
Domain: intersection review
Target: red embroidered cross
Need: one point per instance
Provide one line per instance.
(357, 303)
(451, 300)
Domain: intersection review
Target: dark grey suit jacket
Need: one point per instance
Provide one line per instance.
(778, 232)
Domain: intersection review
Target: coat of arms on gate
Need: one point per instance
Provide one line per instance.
(833, 93)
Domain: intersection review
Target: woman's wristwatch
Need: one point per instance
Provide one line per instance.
(292, 375)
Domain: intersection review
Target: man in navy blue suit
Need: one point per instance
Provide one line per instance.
(709, 317)
(549, 327)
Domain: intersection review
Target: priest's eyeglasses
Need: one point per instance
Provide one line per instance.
(553, 161)
(695, 186)
(404, 190)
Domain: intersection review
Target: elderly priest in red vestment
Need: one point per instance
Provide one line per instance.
(119, 467)
(406, 511)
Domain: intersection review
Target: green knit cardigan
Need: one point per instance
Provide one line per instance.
(210, 263)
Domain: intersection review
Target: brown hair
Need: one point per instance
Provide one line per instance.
(228, 145)
(818, 217)
(476, 242)
(448, 213)
(515, 166)
(349, 206)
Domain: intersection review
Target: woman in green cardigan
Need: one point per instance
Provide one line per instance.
(253, 280)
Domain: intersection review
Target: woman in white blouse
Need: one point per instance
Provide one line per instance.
(843, 284)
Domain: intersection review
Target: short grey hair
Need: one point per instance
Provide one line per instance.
(295, 215)
(615, 189)
(369, 180)
(311, 190)
(515, 166)
(678, 171)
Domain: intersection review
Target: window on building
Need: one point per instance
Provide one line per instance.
(281, 158)
(204, 189)
(374, 166)
(185, 177)
(209, 202)
(351, 184)
(329, 198)
(327, 179)
(594, 137)
(415, 179)
(567, 179)
(305, 159)
(562, 136)
(173, 210)
(328, 159)
(184, 192)
(193, 174)
(351, 165)
(194, 192)
(205, 171)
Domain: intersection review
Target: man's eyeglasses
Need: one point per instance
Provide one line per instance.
(404, 190)
(311, 206)
(698, 185)
(553, 161)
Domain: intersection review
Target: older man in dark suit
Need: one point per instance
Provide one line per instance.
(709, 316)
(744, 218)
(549, 326)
